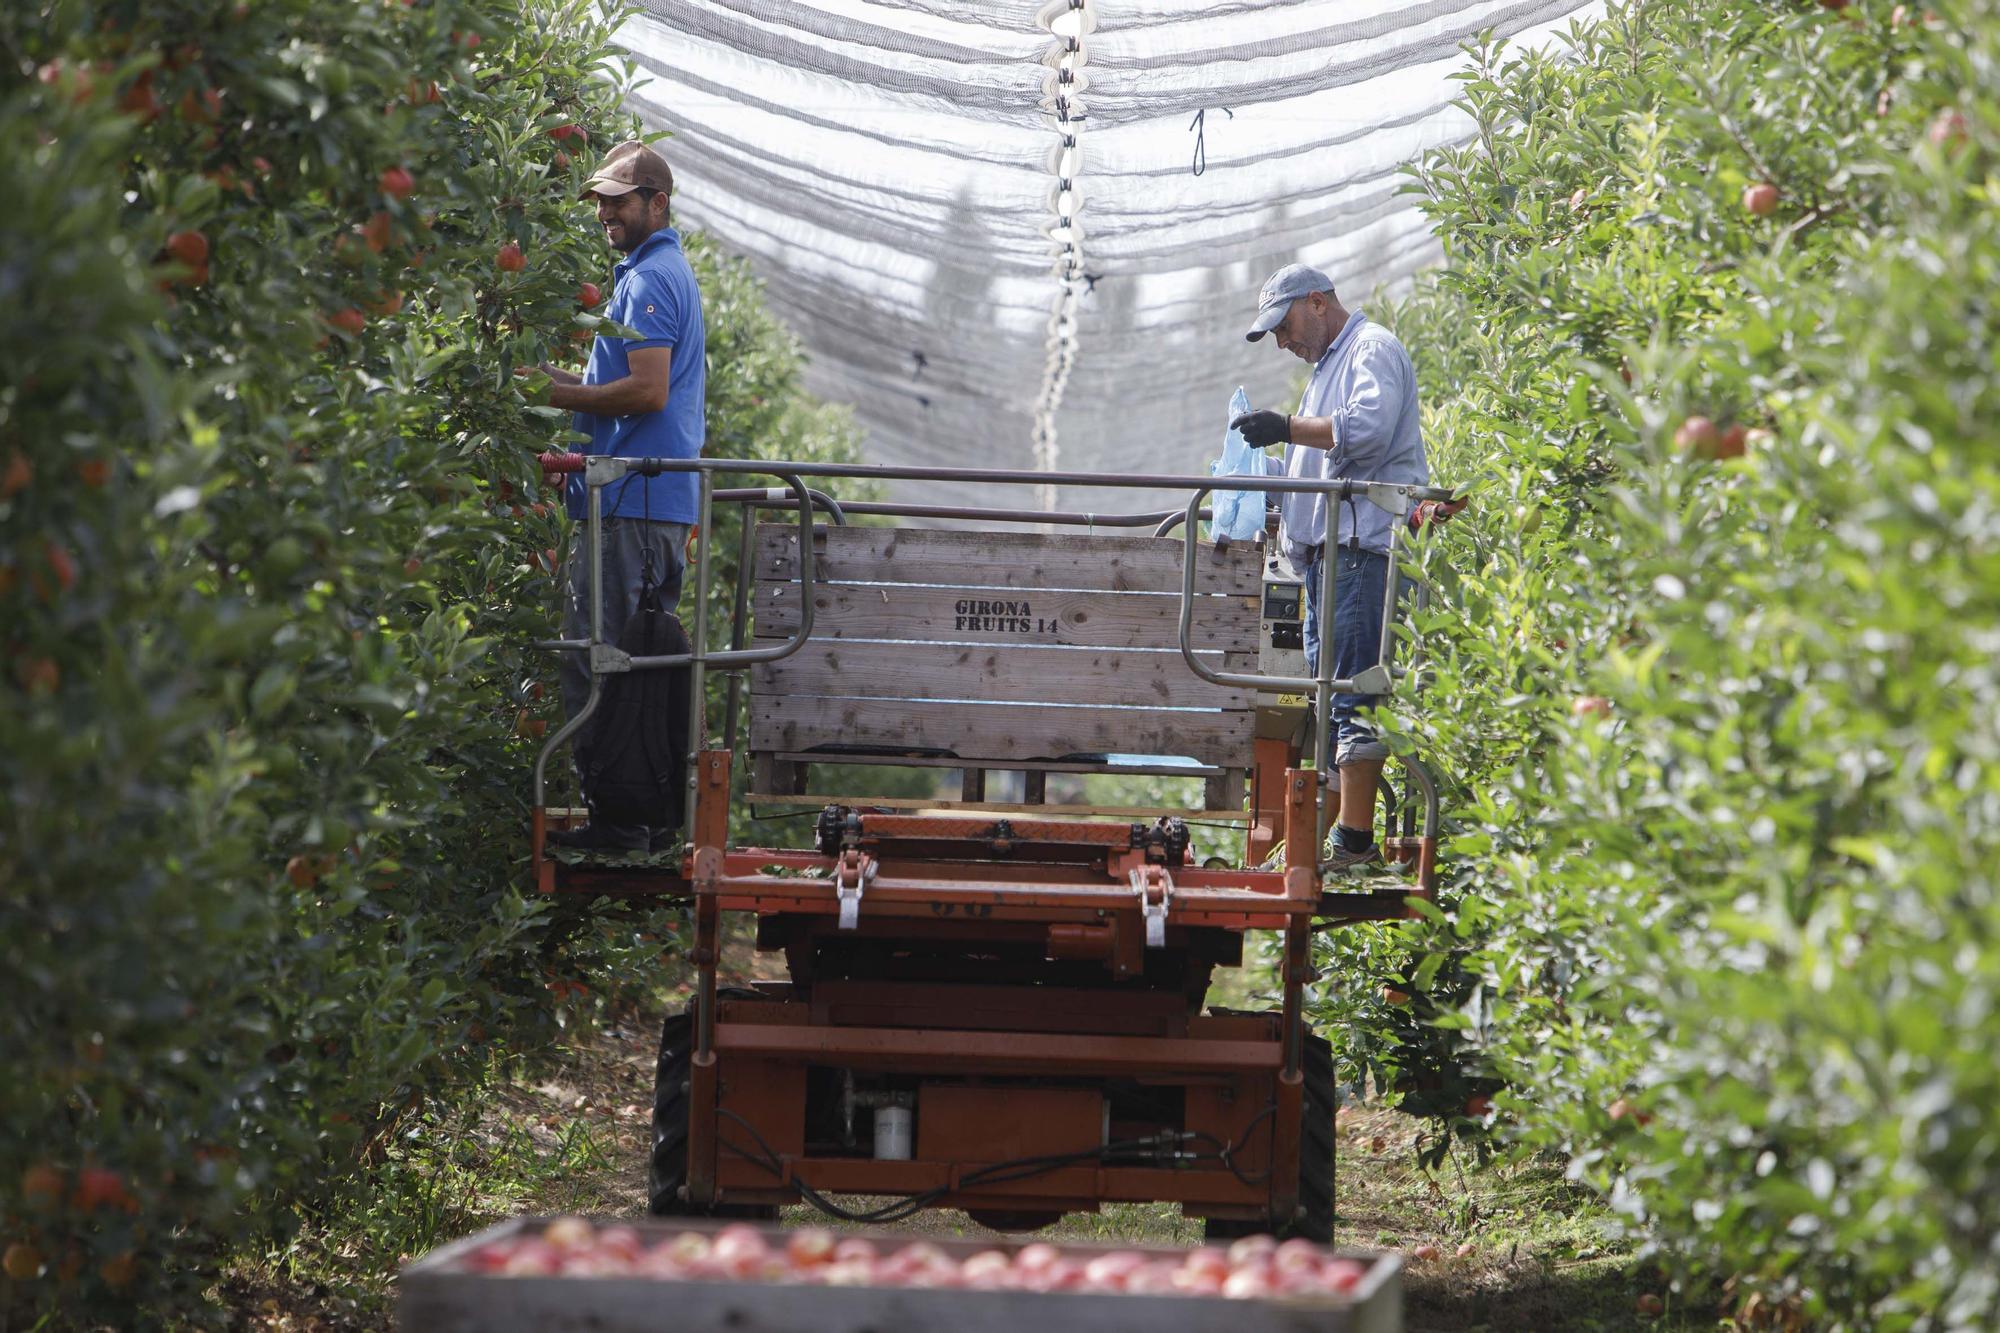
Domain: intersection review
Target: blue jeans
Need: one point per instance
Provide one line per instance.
(1361, 580)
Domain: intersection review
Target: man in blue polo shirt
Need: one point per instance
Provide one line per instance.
(638, 398)
(1357, 419)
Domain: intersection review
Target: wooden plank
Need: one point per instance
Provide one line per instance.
(992, 732)
(776, 773)
(999, 807)
(1004, 560)
(1009, 673)
(976, 615)
(1225, 792)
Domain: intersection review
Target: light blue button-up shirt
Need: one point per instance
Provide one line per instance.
(1366, 385)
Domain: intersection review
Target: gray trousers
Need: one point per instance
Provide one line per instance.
(628, 544)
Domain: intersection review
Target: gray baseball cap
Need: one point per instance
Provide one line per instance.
(1282, 288)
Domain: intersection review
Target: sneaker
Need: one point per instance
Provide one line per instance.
(602, 838)
(1340, 858)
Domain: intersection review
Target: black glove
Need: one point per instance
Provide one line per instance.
(1262, 428)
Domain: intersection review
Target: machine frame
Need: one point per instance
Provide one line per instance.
(1003, 1065)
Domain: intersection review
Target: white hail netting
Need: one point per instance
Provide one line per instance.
(983, 218)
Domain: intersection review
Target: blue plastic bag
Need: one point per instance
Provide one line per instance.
(1238, 515)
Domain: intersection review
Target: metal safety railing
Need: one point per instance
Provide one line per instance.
(605, 659)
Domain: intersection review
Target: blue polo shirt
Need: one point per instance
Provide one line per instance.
(653, 292)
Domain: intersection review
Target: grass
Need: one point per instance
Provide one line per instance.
(1519, 1247)
(564, 1132)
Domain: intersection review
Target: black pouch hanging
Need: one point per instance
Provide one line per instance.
(633, 753)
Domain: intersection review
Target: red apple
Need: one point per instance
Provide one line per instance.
(37, 675)
(1342, 1275)
(18, 475)
(1296, 1255)
(375, 233)
(1649, 1305)
(199, 108)
(189, 247)
(509, 258)
(349, 321)
(1732, 442)
(1620, 1109)
(1590, 705)
(848, 1273)
(659, 1263)
(535, 1258)
(140, 100)
(1478, 1106)
(1761, 199)
(397, 183)
(1037, 1257)
(688, 1247)
(1947, 128)
(42, 1186)
(23, 1262)
(1157, 1278)
(490, 1258)
(986, 1270)
(588, 296)
(621, 1242)
(809, 1247)
(97, 1188)
(568, 1233)
(1206, 1261)
(1063, 1275)
(1251, 1249)
(1110, 1272)
(1424, 1254)
(1698, 436)
(739, 1251)
(1390, 995)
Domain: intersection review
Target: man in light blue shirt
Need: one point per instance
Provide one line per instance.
(1357, 419)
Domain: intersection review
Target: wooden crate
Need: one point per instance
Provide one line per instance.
(438, 1294)
(1003, 649)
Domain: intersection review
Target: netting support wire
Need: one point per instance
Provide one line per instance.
(1068, 23)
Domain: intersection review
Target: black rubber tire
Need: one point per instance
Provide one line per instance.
(666, 1168)
(1314, 1220)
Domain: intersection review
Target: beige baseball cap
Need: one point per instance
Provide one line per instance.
(628, 167)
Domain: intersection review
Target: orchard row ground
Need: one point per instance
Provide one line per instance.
(566, 1131)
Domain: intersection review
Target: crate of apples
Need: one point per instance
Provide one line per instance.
(615, 1277)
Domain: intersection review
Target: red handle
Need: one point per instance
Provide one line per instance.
(555, 462)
